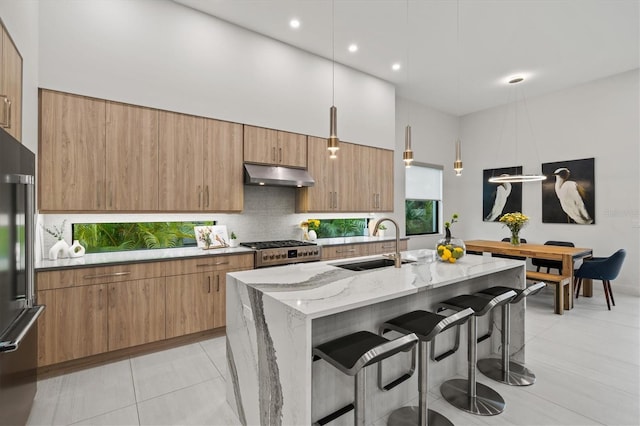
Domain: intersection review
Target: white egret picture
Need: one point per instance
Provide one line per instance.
(500, 198)
(568, 194)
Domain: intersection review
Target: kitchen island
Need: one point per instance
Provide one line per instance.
(275, 316)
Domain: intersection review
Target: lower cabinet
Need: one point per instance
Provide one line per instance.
(90, 311)
(73, 325)
(361, 249)
(136, 313)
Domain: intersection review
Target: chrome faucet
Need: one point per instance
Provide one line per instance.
(396, 257)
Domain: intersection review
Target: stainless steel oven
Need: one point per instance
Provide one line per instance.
(273, 253)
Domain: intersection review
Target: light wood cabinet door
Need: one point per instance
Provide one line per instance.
(136, 313)
(292, 150)
(322, 196)
(223, 169)
(344, 251)
(10, 86)
(274, 147)
(180, 143)
(383, 181)
(189, 303)
(219, 302)
(73, 325)
(353, 175)
(131, 158)
(260, 145)
(71, 153)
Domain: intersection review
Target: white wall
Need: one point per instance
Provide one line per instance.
(164, 55)
(599, 120)
(21, 20)
(433, 141)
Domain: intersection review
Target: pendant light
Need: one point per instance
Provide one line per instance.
(457, 164)
(333, 143)
(407, 154)
(518, 178)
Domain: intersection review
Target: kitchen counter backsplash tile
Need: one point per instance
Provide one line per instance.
(136, 256)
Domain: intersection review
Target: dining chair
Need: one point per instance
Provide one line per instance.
(550, 264)
(601, 268)
(505, 256)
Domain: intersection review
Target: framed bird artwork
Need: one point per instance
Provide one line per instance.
(500, 198)
(569, 193)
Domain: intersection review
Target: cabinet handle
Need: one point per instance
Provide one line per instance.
(335, 200)
(279, 155)
(388, 247)
(110, 195)
(114, 274)
(273, 154)
(346, 251)
(98, 194)
(201, 265)
(6, 123)
(199, 197)
(217, 283)
(207, 194)
(100, 303)
(209, 284)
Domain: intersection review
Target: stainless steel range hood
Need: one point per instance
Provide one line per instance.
(255, 174)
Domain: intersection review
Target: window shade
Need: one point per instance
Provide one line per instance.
(423, 182)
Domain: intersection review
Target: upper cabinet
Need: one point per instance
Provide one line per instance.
(274, 147)
(131, 158)
(10, 86)
(200, 164)
(98, 155)
(71, 153)
(360, 179)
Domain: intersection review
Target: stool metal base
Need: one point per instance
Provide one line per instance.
(486, 403)
(408, 416)
(518, 374)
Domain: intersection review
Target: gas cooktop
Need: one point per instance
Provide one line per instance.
(262, 245)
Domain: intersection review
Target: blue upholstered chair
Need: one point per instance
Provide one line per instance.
(601, 268)
(551, 264)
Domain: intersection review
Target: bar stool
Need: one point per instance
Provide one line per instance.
(466, 394)
(350, 354)
(425, 325)
(502, 369)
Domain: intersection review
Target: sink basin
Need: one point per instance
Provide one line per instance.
(366, 265)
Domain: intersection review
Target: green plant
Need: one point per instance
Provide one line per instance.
(382, 227)
(233, 236)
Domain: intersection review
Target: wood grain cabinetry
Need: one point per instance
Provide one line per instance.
(73, 325)
(10, 86)
(200, 164)
(71, 153)
(131, 158)
(361, 249)
(95, 310)
(274, 147)
(196, 291)
(360, 179)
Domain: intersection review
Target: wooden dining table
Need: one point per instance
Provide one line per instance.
(567, 255)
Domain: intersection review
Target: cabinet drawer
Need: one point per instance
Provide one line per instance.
(209, 263)
(99, 275)
(344, 251)
(386, 247)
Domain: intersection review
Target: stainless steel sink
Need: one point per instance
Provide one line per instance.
(366, 265)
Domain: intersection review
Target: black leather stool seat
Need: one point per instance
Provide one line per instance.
(477, 303)
(346, 350)
(350, 354)
(421, 323)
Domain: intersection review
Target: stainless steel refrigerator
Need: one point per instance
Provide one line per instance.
(18, 312)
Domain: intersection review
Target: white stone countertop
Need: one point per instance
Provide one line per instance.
(133, 256)
(317, 289)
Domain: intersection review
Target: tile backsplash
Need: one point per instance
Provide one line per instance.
(268, 215)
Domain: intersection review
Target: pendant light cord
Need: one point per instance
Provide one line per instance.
(407, 54)
(333, 53)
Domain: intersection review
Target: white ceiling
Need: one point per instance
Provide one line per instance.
(556, 43)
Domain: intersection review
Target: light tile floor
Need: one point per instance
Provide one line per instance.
(587, 363)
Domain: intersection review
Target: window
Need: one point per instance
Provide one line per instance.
(423, 198)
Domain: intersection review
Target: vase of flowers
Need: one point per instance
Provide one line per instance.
(60, 249)
(309, 228)
(450, 249)
(515, 222)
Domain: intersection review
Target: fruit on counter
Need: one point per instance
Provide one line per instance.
(449, 252)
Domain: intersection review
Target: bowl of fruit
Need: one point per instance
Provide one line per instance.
(450, 250)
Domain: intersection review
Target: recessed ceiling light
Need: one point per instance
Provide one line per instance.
(395, 67)
(294, 23)
(353, 47)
